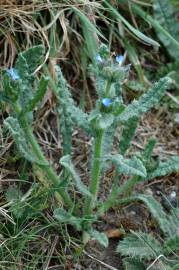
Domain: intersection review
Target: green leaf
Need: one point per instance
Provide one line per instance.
(39, 94)
(68, 112)
(148, 150)
(80, 118)
(133, 264)
(166, 224)
(65, 217)
(171, 245)
(100, 237)
(133, 166)
(128, 132)
(165, 167)
(139, 245)
(146, 101)
(165, 14)
(105, 121)
(19, 138)
(66, 162)
(29, 60)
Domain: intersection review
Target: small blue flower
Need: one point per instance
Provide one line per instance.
(119, 59)
(98, 58)
(106, 102)
(13, 74)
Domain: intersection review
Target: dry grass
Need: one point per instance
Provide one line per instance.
(25, 23)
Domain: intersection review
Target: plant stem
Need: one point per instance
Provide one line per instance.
(52, 176)
(95, 175)
(125, 189)
(108, 87)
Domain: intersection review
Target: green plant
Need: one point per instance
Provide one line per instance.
(145, 250)
(101, 123)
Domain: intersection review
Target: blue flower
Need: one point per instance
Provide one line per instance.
(106, 102)
(98, 58)
(13, 74)
(119, 59)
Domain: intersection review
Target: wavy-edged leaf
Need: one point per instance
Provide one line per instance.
(156, 209)
(148, 149)
(100, 237)
(65, 217)
(80, 118)
(68, 112)
(133, 166)
(133, 264)
(79, 223)
(128, 132)
(66, 162)
(139, 245)
(29, 60)
(146, 101)
(165, 167)
(38, 95)
(171, 245)
(164, 13)
(19, 137)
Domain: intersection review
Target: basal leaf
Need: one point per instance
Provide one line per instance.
(66, 162)
(19, 138)
(166, 224)
(65, 217)
(100, 237)
(165, 167)
(133, 264)
(139, 245)
(133, 166)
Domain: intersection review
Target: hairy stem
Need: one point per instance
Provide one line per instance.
(46, 168)
(95, 175)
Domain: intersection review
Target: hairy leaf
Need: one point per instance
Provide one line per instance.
(105, 121)
(67, 218)
(133, 264)
(171, 245)
(100, 237)
(65, 116)
(146, 101)
(147, 153)
(166, 224)
(29, 60)
(38, 95)
(66, 162)
(131, 166)
(19, 138)
(81, 119)
(165, 167)
(128, 132)
(165, 14)
(139, 245)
